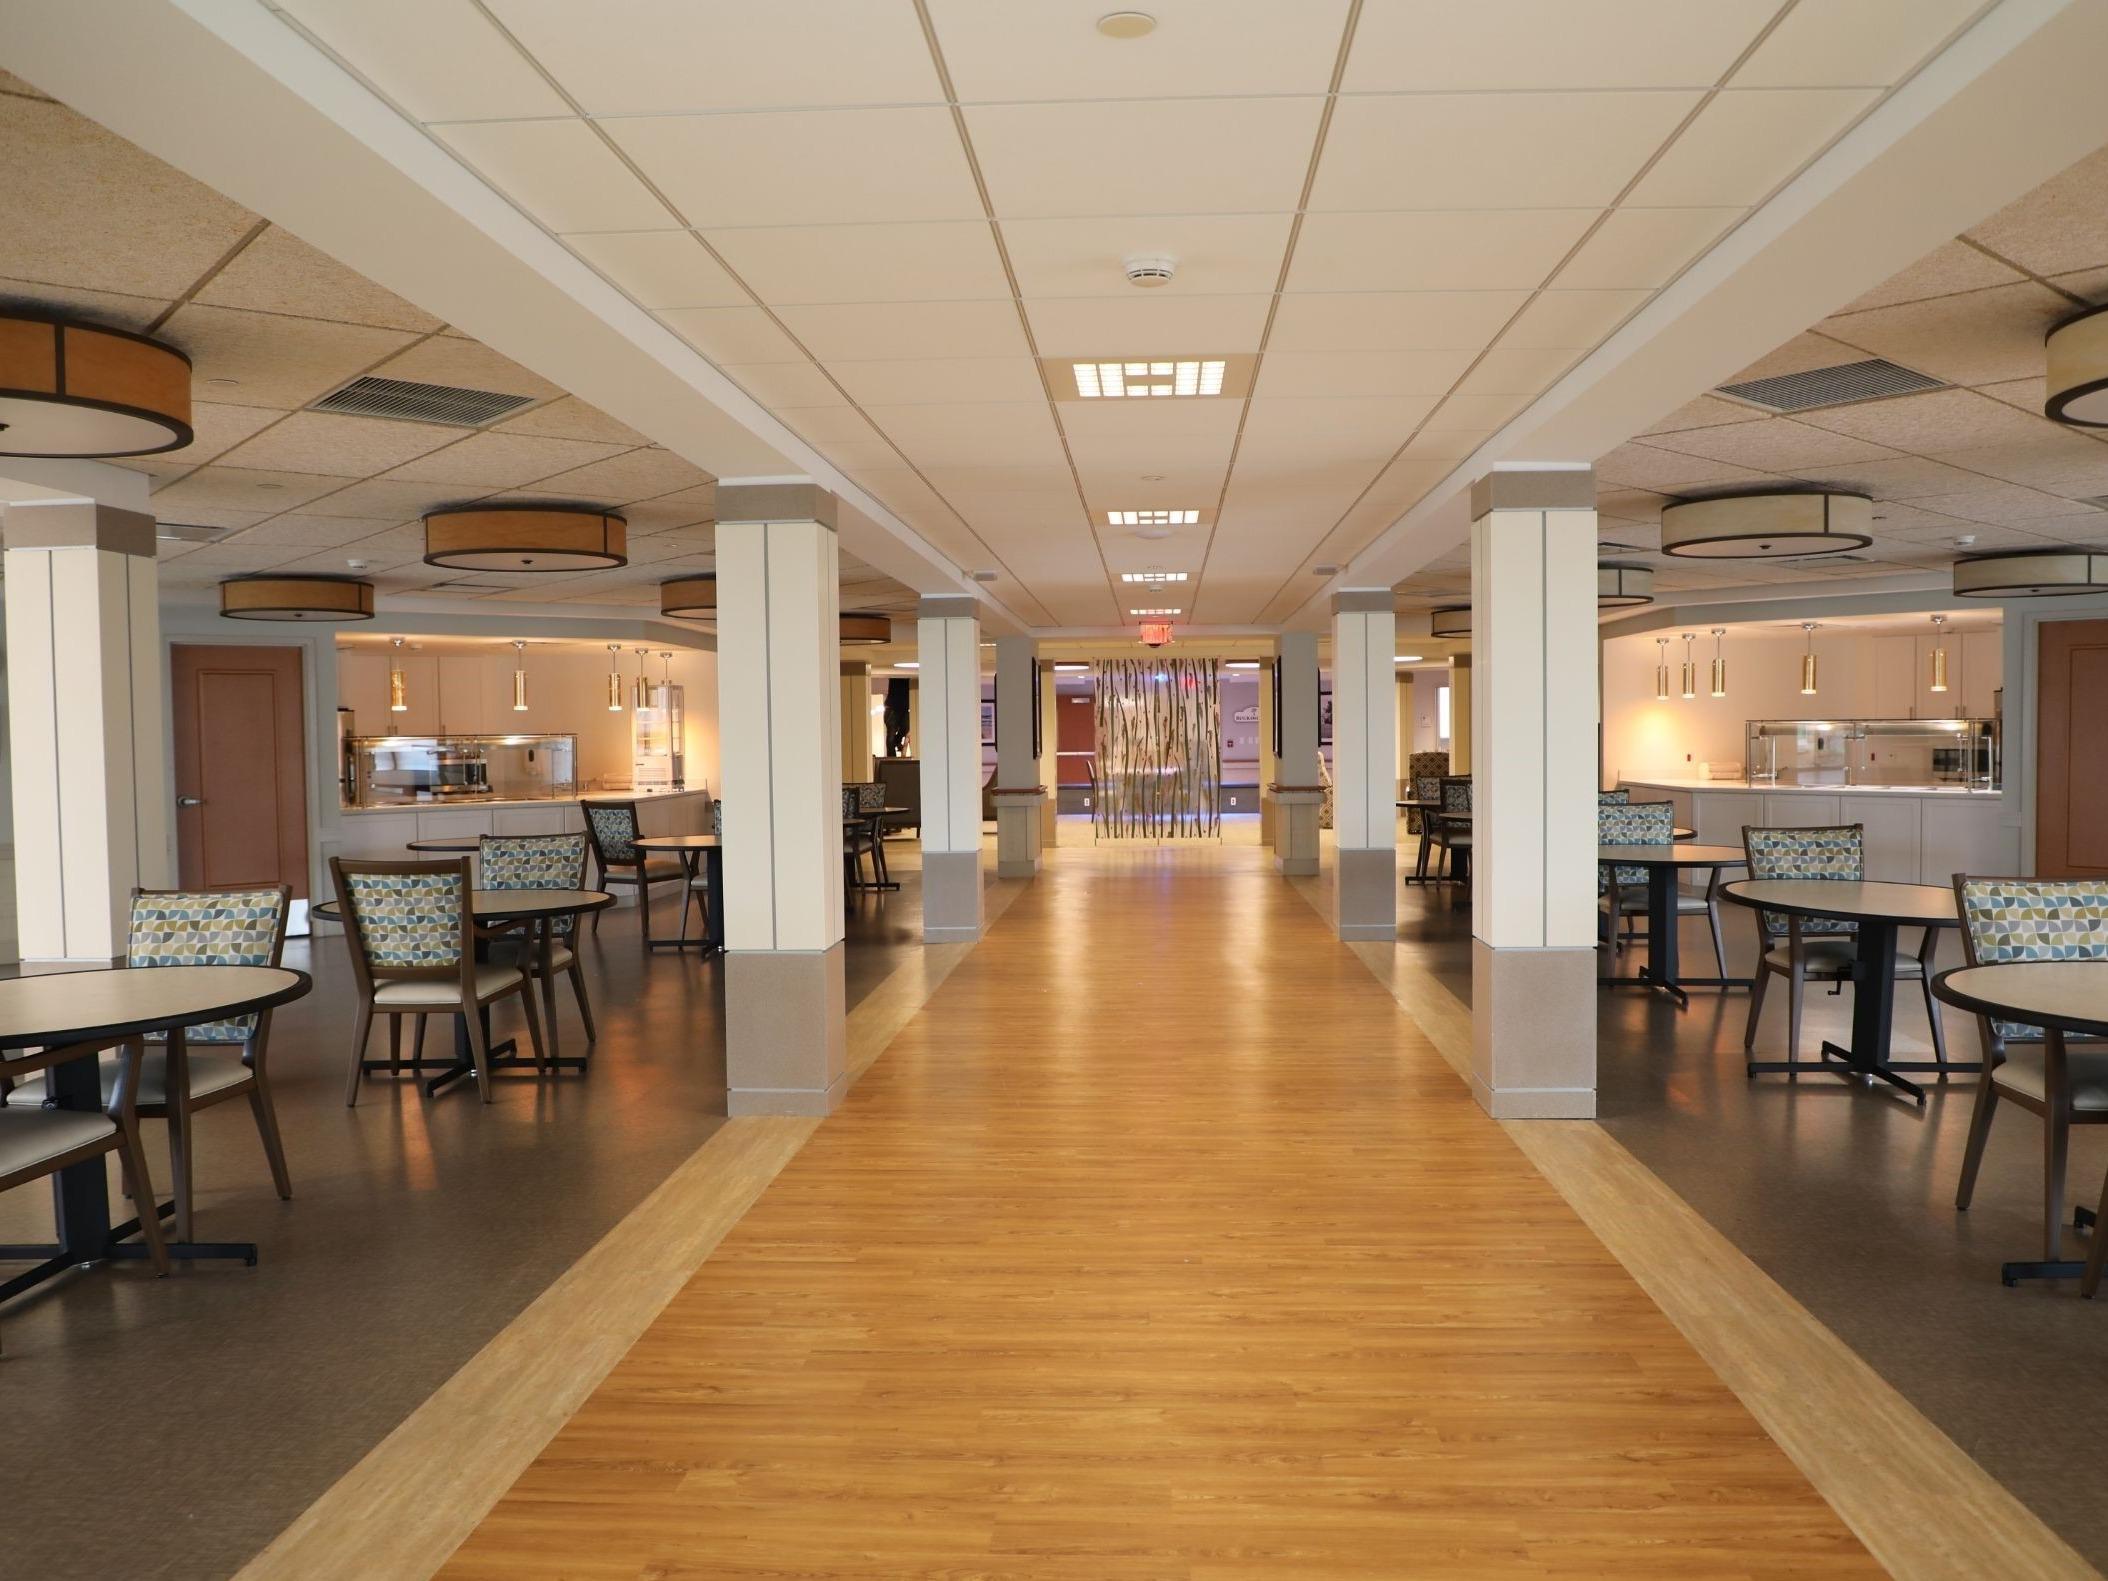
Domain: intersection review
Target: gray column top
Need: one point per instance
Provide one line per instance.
(1364, 601)
(79, 524)
(960, 608)
(1552, 489)
(774, 502)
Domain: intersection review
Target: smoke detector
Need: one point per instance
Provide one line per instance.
(1150, 269)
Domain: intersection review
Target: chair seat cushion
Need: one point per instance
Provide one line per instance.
(30, 1135)
(209, 1073)
(2024, 1072)
(1830, 956)
(560, 959)
(445, 992)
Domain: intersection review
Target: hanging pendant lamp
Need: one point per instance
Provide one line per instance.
(398, 688)
(80, 390)
(311, 598)
(692, 596)
(860, 629)
(526, 538)
(614, 677)
(1767, 526)
(1661, 669)
(1808, 661)
(1939, 655)
(1620, 586)
(1450, 620)
(2031, 573)
(1719, 663)
(2075, 354)
(1690, 669)
(519, 676)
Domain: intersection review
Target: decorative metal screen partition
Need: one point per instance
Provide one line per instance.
(1159, 750)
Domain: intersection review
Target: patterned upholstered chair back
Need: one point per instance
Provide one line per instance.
(870, 797)
(534, 861)
(1424, 771)
(209, 927)
(1456, 794)
(614, 829)
(852, 803)
(1635, 823)
(717, 819)
(1612, 798)
(408, 917)
(2031, 919)
(1834, 853)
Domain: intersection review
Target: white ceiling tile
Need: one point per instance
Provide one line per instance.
(1777, 444)
(441, 60)
(953, 261)
(1392, 320)
(975, 480)
(1428, 45)
(1204, 156)
(785, 385)
(1742, 145)
(909, 383)
(560, 172)
(1152, 420)
(1105, 458)
(1015, 433)
(1477, 410)
(813, 167)
(660, 268)
(1049, 49)
(499, 461)
(1366, 424)
(1338, 373)
(1514, 370)
(905, 330)
(1980, 337)
(1640, 248)
(1491, 151)
(1570, 320)
(275, 360)
(2055, 229)
(280, 273)
(732, 334)
(1446, 251)
(1945, 270)
(654, 56)
(1216, 254)
(338, 446)
(1147, 324)
(1822, 43)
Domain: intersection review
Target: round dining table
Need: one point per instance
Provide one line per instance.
(1663, 863)
(1878, 910)
(696, 851)
(455, 843)
(2066, 999)
(96, 1010)
(538, 910)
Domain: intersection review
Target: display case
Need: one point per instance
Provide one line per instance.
(1932, 753)
(413, 771)
(657, 730)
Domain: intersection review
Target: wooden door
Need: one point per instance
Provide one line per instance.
(241, 767)
(2071, 750)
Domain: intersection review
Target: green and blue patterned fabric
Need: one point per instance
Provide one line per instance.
(534, 861)
(2034, 919)
(207, 928)
(1834, 853)
(1633, 823)
(1612, 798)
(615, 828)
(408, 920)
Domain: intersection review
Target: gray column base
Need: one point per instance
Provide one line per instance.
(1533, 1032)
(1365, 893)
(951, 897)
(786, 1040)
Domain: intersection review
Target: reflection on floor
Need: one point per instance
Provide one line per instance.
(1160, 1244)
(1846, 1198)
(204, 1411)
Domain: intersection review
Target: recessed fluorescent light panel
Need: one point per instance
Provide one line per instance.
(1149, 378)
(1156, 612)
(1151, 518)
(1157, 577)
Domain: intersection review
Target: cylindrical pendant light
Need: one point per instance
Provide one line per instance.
(526, 538)
(519, 676)
(614, 677)
(2076, 358)
(1939, 655)
(1620, 586)
(1808, 661)
(862, 630)
(1661, 669)
(76, 390)
(2031, 573)
(1757, 526)
(398, 691)
(692, 596)
(643, 692)
(309, 598)
(1449, 620)
(1690, 670)
(1719, 663)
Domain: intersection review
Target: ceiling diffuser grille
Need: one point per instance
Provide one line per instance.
(1872, 380)
(421, 403)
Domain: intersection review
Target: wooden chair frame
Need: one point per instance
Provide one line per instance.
(629, 873)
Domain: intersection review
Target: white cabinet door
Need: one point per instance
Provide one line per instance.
(362, 686)
(1890, 826)
(461, 701)
(1895, 667)
(1800, 812)
(420, 716)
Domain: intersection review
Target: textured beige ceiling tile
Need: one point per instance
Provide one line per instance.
(1937, 420)
(571, 418)
(1668, 472)
(393, 498)
(634, 475)
(2003, 504)
(1944, 271)
(338, 446)
(2058, 227)
(280, 273)
(1897, 478)
(1979, 337)
(218, 428)
(2030, 395)
(1706, 411)
(96, 307)
(1776, 445)
(466, 364)
(274, 360)
(1799, 355)
(205, 515)
(240, 490)
(501, 461)
(2089, 285)
(2067, 463)
(314, 532)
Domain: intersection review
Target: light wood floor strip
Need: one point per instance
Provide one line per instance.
(409, 1502)
(1922, 1507)
(1160, 1244)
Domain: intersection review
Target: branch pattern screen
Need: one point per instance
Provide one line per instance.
(1159, 749)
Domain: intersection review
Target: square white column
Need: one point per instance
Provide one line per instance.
(1298, 790)
(1019, 794)
(89, 766)
(1365, 764)
(1533, 755)
(779, 713)
(948, 641)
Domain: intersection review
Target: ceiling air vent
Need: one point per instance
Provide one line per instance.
(421, 403)
(1871, 380)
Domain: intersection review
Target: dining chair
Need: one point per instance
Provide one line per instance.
(1422, 768)
(612, 828)
(543, 861)
(2036, 919)
(1807, 950)
(1612, 798)
(1451, 835)
(858, 837)
(1426, 788)
(1623, 893)
(223, 1060)
(413, 953)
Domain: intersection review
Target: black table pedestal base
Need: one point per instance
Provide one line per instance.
(119, 1248)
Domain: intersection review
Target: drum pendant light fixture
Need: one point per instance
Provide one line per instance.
(1808, 661)
(1661, 669)
(309, 598)
(398, 690)
(1620, 586)
(694, 597)
(2031, 573)
(614, 677)
(1450, 620)
(1765, 526)
(1719, 663)
(860, 629)
(1939, 655)
(526, 538)
(2076, 356)
(519, 676)
(80, 390)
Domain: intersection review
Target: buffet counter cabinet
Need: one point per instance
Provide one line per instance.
(1915, 834)
(385, 831)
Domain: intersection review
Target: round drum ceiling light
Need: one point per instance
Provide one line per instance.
(2076, 354)
(1127, 24)
(526, 538)
(692, 596)
(1620, 586)
(310, 598)
(1767, 526)
(71, 389)
(861, 629)
(2031, 573)
(1451, 620)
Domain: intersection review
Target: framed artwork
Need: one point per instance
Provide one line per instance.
(1324, 719)
(1273, 675)
(987, 721)
(1038, 713)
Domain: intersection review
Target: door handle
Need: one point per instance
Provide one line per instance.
(190, 801)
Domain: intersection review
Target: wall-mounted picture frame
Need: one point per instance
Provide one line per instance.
(1324, 718)
(1039, 714)
(988, 721)
(1273, 675)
